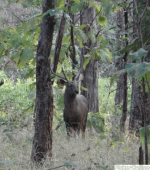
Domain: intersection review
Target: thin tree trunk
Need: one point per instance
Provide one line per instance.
(42, 142)
(125, 77)
(119, 62)
(90, 74)
(59, 40)
(72, 46)
(144, 104)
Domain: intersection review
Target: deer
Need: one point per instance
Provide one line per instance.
(75, 106)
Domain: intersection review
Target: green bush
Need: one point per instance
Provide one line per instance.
(16, 101)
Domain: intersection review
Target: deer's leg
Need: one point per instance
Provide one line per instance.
(83, 130)
(78, 129)
(68, 129)
(74, 128)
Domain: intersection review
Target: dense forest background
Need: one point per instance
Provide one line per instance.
(108, 42)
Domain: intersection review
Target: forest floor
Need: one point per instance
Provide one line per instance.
(96, 151)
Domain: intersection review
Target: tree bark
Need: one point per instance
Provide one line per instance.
(90, 74)
(42, 142)
(139, 99)
(136, 115)
(125, 78)
(119, 62)
(59, 41)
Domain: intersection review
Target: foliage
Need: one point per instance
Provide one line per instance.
(20, 43)
(142, 136)
(97, 121)
(16, 103)
(106, 99)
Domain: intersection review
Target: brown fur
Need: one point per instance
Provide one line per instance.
(76, 109)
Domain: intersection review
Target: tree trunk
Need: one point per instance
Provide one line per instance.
(42, 142)
(137, 102)
(59, 41)
(119, 62)
(90, 74)
(136, 111)
(125, 77)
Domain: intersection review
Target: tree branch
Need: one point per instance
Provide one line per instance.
(144, 9)
(59, 40)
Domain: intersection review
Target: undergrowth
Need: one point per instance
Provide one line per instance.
(102, 148)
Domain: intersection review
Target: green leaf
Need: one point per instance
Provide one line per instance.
(142, 136)
(62, 54)
(86, 61)
(25, 41)
(80, 42)
(67, 163)
(29, 74)
(102, 136)
(74, 166)
(100, 38)
(79, 33)
(147, 80)
(113, 79)
(112, 143)
(66, 39)
(96, 6)
(16, 43)
(107, 6)
(15, 57)
(26, 54)
(133, 46)
(122, 140)
(91, 34)
(105, 54)
(82, 26)
(32, 86)
(98, 144)
(77, 50)
(60, 101)
(59, 68)
(138, 55)
(77, 1)
(45, 13)
(84, 88)
(77, 7)
(3, 114)
(104, 43)
(53, 11)
(60, 3)
(0, 63)
(137, 70)
(109, 55)
(142, 52)
(1, 50)
(102, 21)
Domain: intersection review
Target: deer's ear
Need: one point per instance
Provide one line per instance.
(61, 82)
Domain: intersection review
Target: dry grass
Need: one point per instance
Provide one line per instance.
(92, 153)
